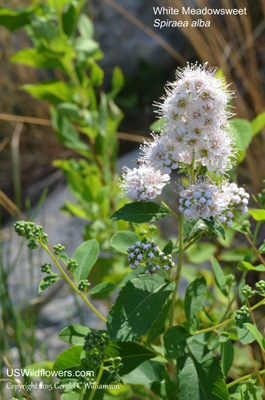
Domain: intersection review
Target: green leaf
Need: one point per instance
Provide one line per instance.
(33, 58)
(74, 334)
(257, 335)
(139, 212)
(137, 307)
(227, 356)
(122, 240)
(158, 326)
(14, 19)
(258, 123)
(86, 46)
(158, 125)
(68, 359)
(117, 81)
(102, 289)
(85, 27)
(86, 255)
(258, 215)
(67, 134)
(243, 134)
(235, 255)
(199, 253)
(199, 375)
(132, 355)
(64, 257)
(246, 266)
(243, 333)
(216, 227)
(53, 91)
(32, 368)
(70, 110)
(46, 282)
(168, 249)
(174, 341)
(194, 296)
(219, 277)
(148, 372)
(96, 75)
(245, 391)
(69, 19)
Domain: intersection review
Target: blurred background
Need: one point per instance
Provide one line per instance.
(148, 58)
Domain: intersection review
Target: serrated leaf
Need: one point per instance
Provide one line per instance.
(219, 277)
(216, 227)
(46, 282)
(139, 212)
(174, 341)
(122, 240)
(257, 335)
(137, 307)
(68, 359)
(199, 375)
(74, 334)
(158, 326)
(194, 296)
(145, 374)
(132, 355)
(227, 356)
(86, 255)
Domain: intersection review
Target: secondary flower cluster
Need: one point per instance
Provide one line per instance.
(206, 200)
(147, 254)
(143, 183)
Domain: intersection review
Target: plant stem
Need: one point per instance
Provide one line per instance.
(192, 171)
(66, 277)
(179, 265)
(212, 328)
(171, 212)
(100, 372)
(243, 378)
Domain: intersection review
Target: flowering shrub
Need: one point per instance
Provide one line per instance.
(156, 343)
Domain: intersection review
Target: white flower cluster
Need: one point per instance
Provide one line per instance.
(195, 110)
(143, 183)
(207, 201)
(146, 253)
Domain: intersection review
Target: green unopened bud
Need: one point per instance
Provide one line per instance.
(83, 285)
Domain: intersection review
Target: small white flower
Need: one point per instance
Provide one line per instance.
(229, 223)
(143, 183)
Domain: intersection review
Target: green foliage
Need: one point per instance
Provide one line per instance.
(175, 340)
(122, 240)
(200, 375)
(74, 334)
(219, 277)
(86, 255)
(137, 307)
(194, 296)
(139, 212)
(46, 282)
